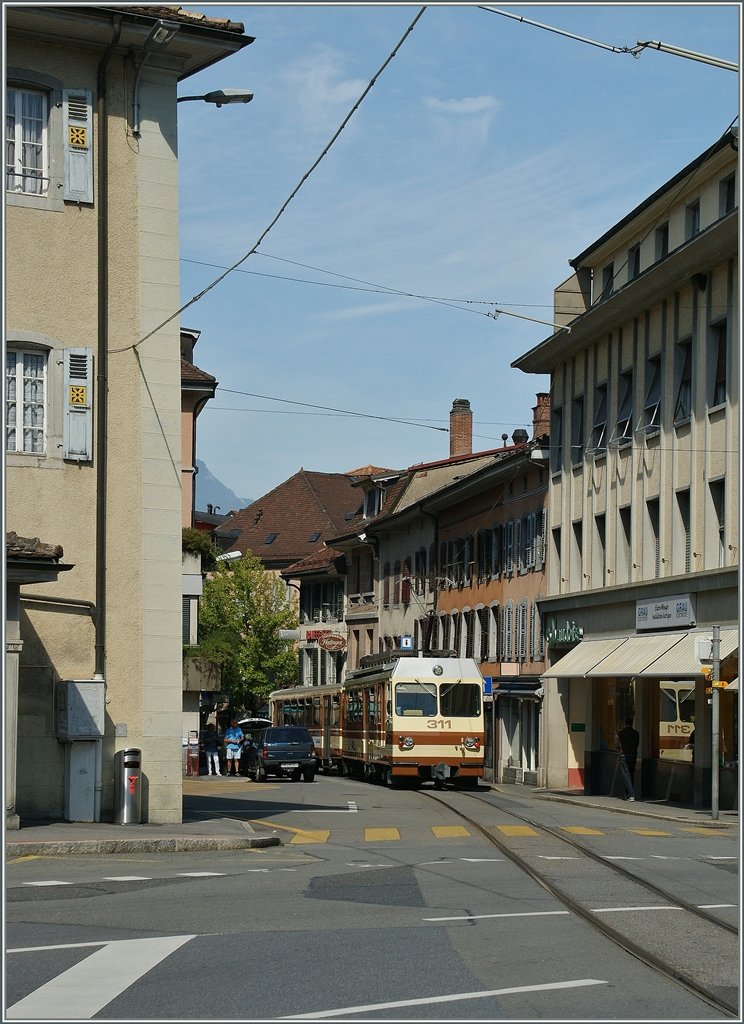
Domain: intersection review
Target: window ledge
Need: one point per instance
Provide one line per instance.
(619, 446)
(51, 203)
(650, 434)
(717, 408)
(682, 422)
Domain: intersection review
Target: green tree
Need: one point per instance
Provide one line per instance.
(242, 609)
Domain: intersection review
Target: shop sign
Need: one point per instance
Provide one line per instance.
(316, 634)
(569, 633)
(666, 612)
(332, 642)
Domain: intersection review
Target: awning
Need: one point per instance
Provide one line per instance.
(584, 657)
(681, 661)
(635, 655)
(733, 686)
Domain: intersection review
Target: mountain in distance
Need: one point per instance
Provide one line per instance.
(211, 491)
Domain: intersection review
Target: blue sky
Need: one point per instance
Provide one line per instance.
(487, 155)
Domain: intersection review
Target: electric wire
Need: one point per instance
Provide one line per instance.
(289, 198)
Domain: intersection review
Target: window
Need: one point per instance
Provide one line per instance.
(528, 542)
(683, 408)
(652, 407)
(469, 627)
(484, 616)
(386, 585)
(577, 430)
(432, 567)
(556, 439)
(599, 431)
(718, 496)
(537, 638)
(396, 583)
(600, 560)
(25, 401)
(683, 504)
(541, 526)
(271, 538)
(508, 561)
(313, 537)
(525, 483)
(727, 195)
(652, 508)
(634, 261)
(493, 633)
(692, 220)
(625, 546)
(662, 242)
(26, 142)
(457, 634)
(373, 499)
(444, 632)
(577, 554)
(497, 563)
(718, 348)
(459, 700)
(608, 281)
(556, 553)
(485, 554)
(624, 424)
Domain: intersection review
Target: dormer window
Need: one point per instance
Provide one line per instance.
(373, 499)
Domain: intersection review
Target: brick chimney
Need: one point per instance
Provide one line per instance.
(541, 415)
(461, 428)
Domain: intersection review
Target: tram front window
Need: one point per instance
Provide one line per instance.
(416, 699)
(460, 700)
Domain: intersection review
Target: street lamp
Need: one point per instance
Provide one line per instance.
(160, 35)
(220, 97)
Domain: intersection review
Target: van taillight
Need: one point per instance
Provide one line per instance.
(264, 752)
(312, 750)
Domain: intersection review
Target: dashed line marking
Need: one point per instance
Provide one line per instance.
(448, 831)
(127, 878)
(517, 830)
(48, 883)
(426, 863)
(608, 857)
(648, 832)
(483, 860)
(714, 906)
(378, 835)
(616, 910)
(200, 874)
(579, 830)
(483, 917)
(706, 831)
(544, 856)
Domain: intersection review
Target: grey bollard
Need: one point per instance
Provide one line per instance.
(128, 786)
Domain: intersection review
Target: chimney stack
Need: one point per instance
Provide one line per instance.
(541, 415)
(461, 428)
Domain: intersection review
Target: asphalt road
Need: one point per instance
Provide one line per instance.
(381, 904)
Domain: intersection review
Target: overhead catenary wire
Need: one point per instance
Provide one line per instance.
(289, 198)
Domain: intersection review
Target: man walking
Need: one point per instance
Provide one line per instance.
(211, 744)
(627, 746)
(234, 741)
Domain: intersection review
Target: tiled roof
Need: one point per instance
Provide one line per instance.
(173, 12)
(370, 470)
(317, 562)
(191, 374)
(30, 547)
(299, 508)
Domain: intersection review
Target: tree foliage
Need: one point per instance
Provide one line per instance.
(199, 542)
(242, 609)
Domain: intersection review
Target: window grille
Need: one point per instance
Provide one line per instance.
(683, 503)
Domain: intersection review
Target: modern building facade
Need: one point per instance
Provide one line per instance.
(644, 489)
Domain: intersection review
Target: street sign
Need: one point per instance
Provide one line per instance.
(289, 634)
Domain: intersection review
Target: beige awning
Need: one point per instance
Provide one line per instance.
(680, 661)
(584, 657)
(733, 686)
(635, 655)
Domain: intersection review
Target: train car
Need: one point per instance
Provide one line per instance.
(413, 718)
(318, 709)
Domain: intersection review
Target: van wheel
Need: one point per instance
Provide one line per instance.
(308, 776)
(295, 776)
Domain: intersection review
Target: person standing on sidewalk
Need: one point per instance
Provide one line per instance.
(211, 744)
(234, 741)
(627, 746)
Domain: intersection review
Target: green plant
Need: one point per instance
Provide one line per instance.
(198, 542)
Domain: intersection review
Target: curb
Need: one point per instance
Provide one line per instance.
(61, 847)
(712, 825)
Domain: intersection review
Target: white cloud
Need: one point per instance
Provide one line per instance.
(468, 105)
(319, 86)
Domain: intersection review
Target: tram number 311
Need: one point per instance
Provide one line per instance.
(441, 723)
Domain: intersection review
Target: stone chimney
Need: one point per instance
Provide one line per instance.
(541, 415)
(461, 428)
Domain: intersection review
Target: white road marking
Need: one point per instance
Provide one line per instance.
(456, 997)
(614, 910)
(200, 874)
(483, 860)
(351, 809)
(351, 864)
(47, 883)
(127, 878)
(543, 856)
(658, 856)
(82, 991)
(352, 806)
(64, 945)
(286, 869)
(714, 906)
(481, 917)
(625, 858)
(425, 863)
(257, 870)
(720, 858)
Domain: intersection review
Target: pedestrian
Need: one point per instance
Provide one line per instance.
(211, 746)
(233, 739)
(626, 743)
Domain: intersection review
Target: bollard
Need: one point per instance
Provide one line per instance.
(128, 786)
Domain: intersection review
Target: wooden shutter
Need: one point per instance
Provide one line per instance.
(78, 145)
(507, 632)
(509, 548)
(386, 585)
(522, 630)
(520, 545)
(406, 582)
(542, 525)
(494, 646)
(78, 404)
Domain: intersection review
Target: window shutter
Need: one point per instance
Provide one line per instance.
(78, 145)
(406, 582)
(507, 632)
(509, 548)
(542, 522)
(78, 404)
(520, 545)
(522, 630)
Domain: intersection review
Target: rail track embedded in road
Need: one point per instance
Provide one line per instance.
(646, 956)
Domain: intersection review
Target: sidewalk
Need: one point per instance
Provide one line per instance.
(647, 809)
(197, 832)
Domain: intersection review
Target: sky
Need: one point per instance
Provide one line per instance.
(487, 155)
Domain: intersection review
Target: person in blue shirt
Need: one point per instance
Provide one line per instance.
(233, 739)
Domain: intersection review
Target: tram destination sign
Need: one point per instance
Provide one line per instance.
(666, 612)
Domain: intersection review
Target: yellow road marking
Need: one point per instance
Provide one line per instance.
(517, 830)
(206, 786)
(321, 836)
(648, 832)
(579, 830)
(375, 835)
(448, 831)
(706, 831)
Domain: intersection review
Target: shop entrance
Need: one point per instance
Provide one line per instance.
(520, 729)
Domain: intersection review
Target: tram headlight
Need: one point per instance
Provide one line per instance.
(405, 742)
(472, 743)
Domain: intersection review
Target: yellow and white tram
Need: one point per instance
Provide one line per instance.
(398, 717)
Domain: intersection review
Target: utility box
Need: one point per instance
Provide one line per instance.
(81, 708)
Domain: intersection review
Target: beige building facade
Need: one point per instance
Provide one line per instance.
(644, 488)
(93, 435)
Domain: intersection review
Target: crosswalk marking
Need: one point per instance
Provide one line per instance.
(517, 830)
(648, 832)
(47, 883)
(377, 835)
(449, 831)
(705, 831)
(579, 830)
(82, 991)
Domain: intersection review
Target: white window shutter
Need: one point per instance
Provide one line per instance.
(78, 145)
(78, 404)
(522, 630)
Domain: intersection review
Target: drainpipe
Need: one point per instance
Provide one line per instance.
(102, 382)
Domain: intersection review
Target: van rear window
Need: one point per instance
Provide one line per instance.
(287, 736)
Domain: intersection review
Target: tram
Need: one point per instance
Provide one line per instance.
(398, 717)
